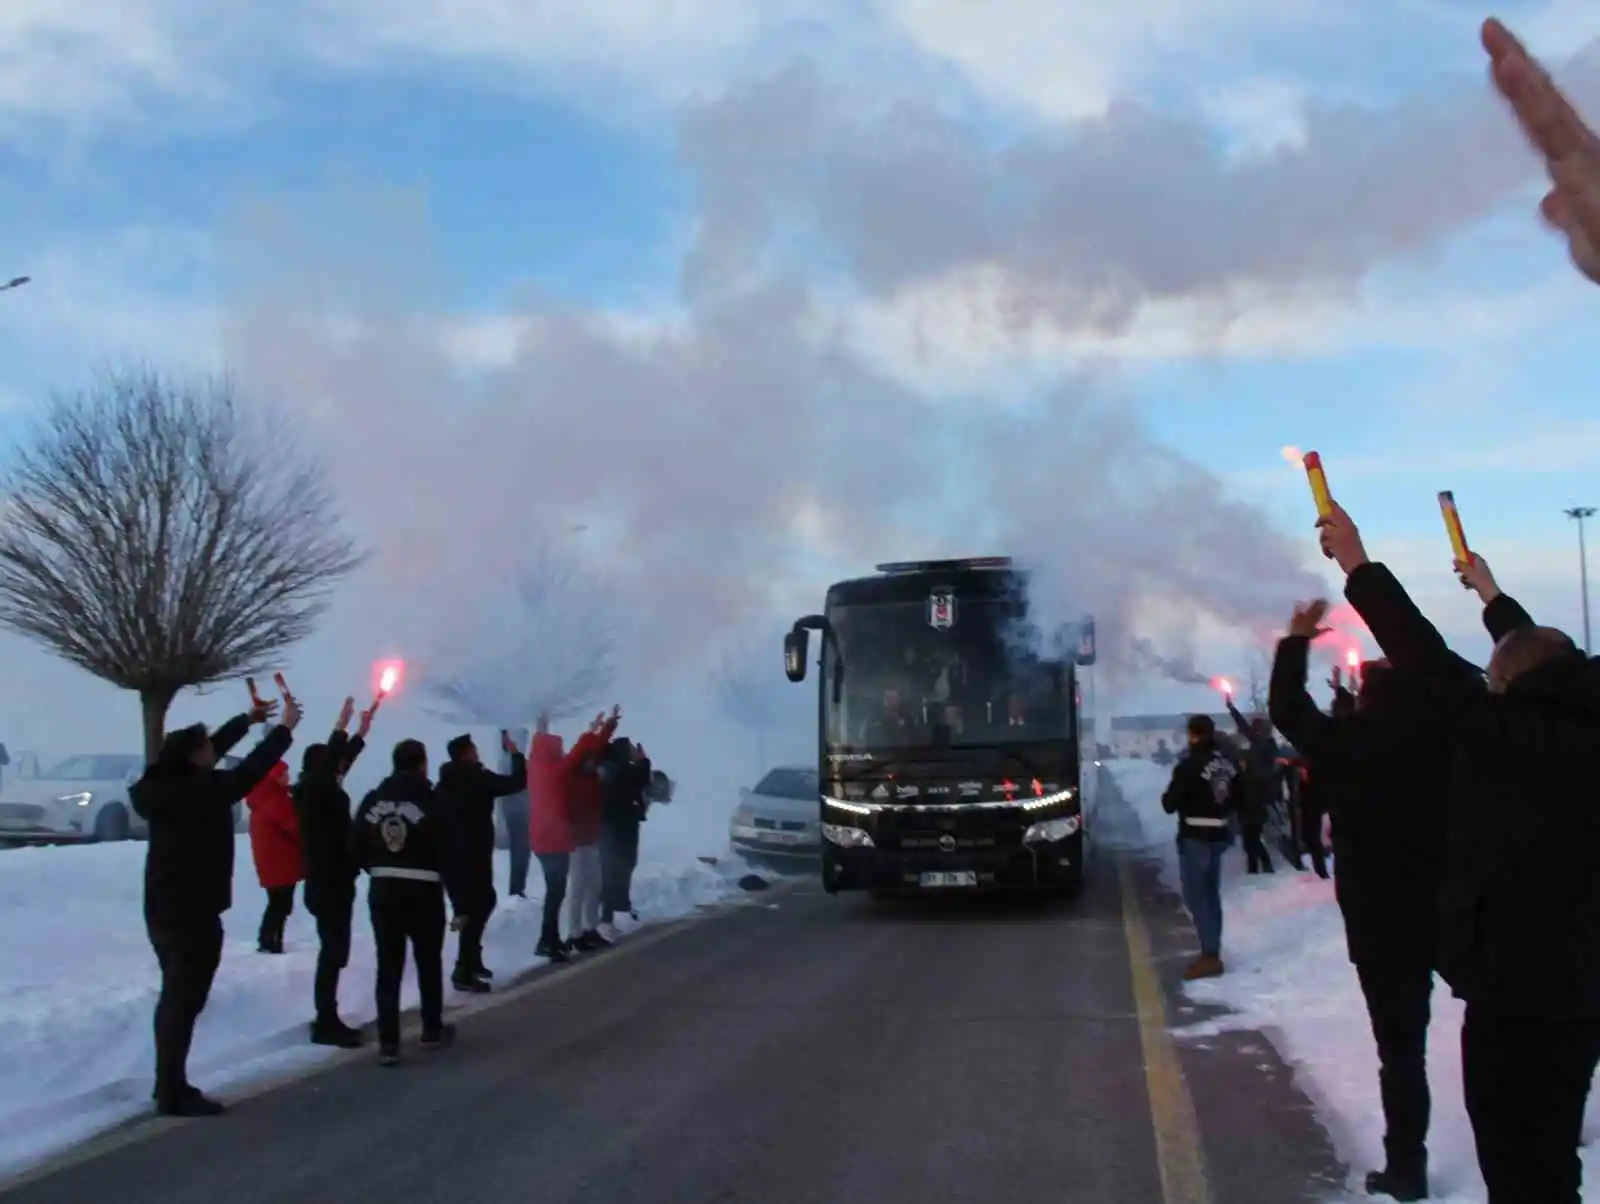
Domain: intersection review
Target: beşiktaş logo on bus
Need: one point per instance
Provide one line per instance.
(394, 822)
(942, 609)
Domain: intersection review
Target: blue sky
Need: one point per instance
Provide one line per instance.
(174, 173)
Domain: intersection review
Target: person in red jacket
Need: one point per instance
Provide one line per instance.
(549, 832)
(585, 802)
(275, 847)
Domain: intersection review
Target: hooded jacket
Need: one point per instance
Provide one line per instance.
(323, 809)
(274, 830)
(624, 786)
(585, 794)
(549, 818)
(188, 866)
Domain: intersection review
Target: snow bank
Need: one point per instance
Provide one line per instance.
(78, 982)
(1289, 977)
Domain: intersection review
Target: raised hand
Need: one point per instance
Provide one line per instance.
(366, 722)
(1306, 622)
(1341, 540)
(345, 712)
(1474, 574)
(1570, 148)
(291, 713)
(263, 710)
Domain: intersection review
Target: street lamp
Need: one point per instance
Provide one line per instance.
(15, 282)
(1580, 513)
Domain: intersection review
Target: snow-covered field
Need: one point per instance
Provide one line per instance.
(78, 982)
(1289, 976)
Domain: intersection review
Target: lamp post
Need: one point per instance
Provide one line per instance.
(1579, 513)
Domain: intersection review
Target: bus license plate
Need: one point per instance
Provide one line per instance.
(951, 878)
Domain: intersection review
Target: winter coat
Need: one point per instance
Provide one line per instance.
(323, 808)
(399, 837)
(549, 818)
(1205, 791)
(466, 794)
(585, 795)
(188, 865)
(275, 830)
(1263, 779)
(1520, 923)
(1389, 800)
(624, 784)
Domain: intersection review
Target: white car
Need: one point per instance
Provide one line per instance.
(81, 799)
(781, 819)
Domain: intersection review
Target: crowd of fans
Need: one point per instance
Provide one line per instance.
(425, 847)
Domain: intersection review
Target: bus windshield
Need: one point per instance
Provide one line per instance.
(909, 684)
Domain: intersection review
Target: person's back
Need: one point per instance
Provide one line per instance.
(549, 818)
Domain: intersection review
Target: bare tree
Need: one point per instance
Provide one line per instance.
(548, 643)
(1258, 671)
(152, 539)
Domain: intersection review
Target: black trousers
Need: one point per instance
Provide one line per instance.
(469, 943)
(335, 914)
(1399, 1004)
(189, 952)
(280, 906)
(619, 855)
(1526, 1083)
(555, 867)
(1311, 840)
(407, 914)
(1255, 849)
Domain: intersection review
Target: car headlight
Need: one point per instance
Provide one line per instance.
(845, 837)
(1053, 829)
(76, 800)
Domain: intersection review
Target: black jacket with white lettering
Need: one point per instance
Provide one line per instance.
(398, 833)
(1206, 789)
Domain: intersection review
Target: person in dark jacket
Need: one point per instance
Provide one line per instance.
(624, 785)
(1390, 810)
(400, 839)
(323, 809)
(467, 792)
(517, 812)
(1205, 791)
(1520, 924)
(188, 878)
(1262, 786)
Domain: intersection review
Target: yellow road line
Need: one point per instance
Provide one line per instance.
(1177, 1130)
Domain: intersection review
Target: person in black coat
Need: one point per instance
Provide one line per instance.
(1206, 789)
(323, 809)
(188, 878)
(400, 839)
(624, 786)
(467, 792)
(1390, 810)
(1520, 924)
(1262, 786)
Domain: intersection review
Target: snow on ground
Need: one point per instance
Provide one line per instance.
(1290, 977)
(78, 981)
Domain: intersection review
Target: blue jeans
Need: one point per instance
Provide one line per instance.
(1200, 873)
(515, 811)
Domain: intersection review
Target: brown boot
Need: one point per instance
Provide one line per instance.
(1203, 967)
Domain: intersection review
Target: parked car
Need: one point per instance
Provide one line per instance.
(780, 819)
(80, 800)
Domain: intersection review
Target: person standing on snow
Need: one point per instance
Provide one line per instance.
(275, 849)
(624, 785)
(400, 839)
(467, 792)
(1205, 791)
(515, 812)
(323, 809)
(1390, 811)
(188, 877)
(585, 801)
(1263, 785)
(549, 832)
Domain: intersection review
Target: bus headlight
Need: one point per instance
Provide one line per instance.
(1052, 830)
(845, 837)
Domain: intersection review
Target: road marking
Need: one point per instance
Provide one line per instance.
(539, 978)
(1177, 1129)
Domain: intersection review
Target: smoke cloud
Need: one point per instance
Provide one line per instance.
(733, 452)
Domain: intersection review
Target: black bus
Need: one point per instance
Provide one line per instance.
(953, 737)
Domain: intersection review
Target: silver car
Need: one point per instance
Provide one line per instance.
(80, 800)
(780, 818)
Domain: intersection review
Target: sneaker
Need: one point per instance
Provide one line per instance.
(484, 973)
(470, 986)
(335, 1033)
(556, 953)
(1204, 966)
(444, 1037)
(607, 932)
(389, 1055)
(1397, 1185)
(591, 942)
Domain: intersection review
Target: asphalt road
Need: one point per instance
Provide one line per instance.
(799, 1050)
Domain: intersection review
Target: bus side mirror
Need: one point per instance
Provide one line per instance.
(795, 645)
(1086, 649)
